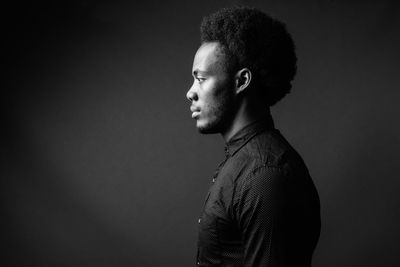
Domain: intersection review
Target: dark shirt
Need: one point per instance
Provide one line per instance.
(262, 208)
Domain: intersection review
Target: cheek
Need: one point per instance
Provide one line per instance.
(215, 98)
(215, 108)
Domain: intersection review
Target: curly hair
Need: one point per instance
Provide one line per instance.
(254, 40)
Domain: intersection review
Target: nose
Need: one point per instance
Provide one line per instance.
(191, 95)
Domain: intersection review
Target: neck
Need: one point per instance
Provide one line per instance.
(246, 114)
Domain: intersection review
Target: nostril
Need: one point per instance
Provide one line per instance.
(191, 96)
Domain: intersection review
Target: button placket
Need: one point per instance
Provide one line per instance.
(221, 164)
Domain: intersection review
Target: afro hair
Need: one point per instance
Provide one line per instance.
(254, 40)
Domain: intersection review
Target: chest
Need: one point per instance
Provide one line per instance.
(216, 223)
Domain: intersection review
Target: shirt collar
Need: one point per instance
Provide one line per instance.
(239, 139)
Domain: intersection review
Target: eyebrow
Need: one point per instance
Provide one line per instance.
(198, 72)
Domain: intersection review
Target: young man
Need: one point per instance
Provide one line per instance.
(262, 208)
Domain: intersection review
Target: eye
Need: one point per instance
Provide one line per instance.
(200, 79)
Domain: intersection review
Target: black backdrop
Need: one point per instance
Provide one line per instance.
(101, 164)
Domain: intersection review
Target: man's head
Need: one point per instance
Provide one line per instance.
(212, 93)
(251, 56)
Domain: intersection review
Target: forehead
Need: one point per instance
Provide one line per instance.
(209, 57)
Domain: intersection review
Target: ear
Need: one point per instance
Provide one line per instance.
(242, 80)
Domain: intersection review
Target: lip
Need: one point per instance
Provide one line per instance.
(195, 114)
(194, 109)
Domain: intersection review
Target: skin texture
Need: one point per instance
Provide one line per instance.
(220, 102)
(212, 94)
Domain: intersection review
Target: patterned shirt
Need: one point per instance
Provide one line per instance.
(262, 208)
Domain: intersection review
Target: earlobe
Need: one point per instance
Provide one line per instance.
(242, 79)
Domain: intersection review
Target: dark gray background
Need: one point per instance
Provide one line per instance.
(101, 164)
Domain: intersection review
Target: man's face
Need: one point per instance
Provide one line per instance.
(212, 93)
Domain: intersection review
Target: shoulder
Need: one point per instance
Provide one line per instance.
(270, 148)
(268, 154)
(270, 160)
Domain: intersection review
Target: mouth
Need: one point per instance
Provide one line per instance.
(195, 114)
(194, 109)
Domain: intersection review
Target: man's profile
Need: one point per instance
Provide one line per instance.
(262, 208)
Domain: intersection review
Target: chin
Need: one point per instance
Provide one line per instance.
(208, 128)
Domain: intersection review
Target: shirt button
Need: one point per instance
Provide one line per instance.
(213, 180)
(199, 220)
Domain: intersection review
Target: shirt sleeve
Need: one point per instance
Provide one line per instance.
(255, 211)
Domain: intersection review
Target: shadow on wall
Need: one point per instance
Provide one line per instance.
(359, 211)
(46, 221)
